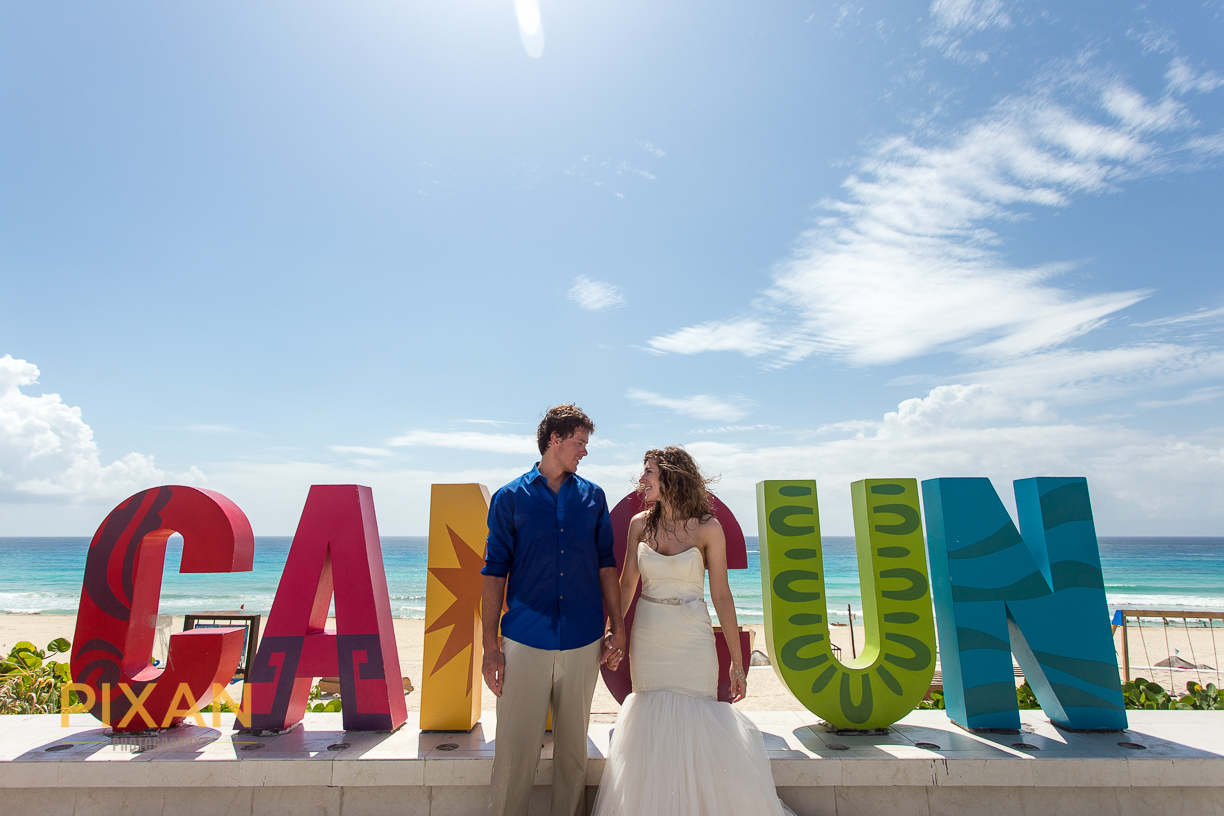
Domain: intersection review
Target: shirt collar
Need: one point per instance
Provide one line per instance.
(535, 473)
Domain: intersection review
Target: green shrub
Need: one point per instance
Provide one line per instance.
(315, 693)
(1141, 694)
(1025, 699)
(1138, 695)
(29, 683)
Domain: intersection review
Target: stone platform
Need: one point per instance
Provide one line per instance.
(923, 766)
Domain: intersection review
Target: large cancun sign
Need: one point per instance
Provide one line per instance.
(993, 590)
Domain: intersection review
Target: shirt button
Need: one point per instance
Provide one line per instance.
(563, 529)
(563, 552)
(563, 575)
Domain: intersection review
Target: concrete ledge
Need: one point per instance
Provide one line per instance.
(209, 770)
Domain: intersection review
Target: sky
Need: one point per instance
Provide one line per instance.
(259, 246)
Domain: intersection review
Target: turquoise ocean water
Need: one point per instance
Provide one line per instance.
(44, 575)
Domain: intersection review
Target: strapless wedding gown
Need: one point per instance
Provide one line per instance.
(676, 750)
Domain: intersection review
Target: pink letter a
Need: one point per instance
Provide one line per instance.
(337, 530)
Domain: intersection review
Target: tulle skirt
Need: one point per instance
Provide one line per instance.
(677, 755)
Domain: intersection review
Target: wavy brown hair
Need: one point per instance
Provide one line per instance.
(681, 485)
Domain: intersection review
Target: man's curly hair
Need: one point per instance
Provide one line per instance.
(681, 486)
(564, 420)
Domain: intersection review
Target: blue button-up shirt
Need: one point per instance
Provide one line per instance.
(550, 546)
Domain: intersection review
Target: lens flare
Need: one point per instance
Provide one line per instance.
(531, 30)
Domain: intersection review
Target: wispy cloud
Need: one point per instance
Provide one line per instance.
(970, 15)
(1080, 376)
(907, 262)
(596, 296)
(357, 450)
(1183, 78)
(749, 336)
(1195, 397)
(652, 148)
(1198, 316)
(954, 21)
(722, 429)
(700, 406)
(467, 440)
(1153, 38)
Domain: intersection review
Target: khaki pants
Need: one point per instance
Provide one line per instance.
(534, 679)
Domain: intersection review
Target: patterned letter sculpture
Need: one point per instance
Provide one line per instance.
(337, 532)
(619, 682)
(450, 685)
(113, 646)
(1040, 596)
(894, 669)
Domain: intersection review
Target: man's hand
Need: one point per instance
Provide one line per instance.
(494, 669)
(614, 649)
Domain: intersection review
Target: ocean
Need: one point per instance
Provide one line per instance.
(44, 575)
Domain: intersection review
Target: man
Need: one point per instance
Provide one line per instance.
(549, 555)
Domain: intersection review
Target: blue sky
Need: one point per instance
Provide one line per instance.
(259, 246)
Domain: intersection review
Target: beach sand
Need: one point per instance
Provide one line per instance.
(766, 692)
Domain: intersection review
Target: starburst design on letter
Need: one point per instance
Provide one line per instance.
(461, 614)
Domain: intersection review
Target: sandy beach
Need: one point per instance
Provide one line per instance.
(766, 692)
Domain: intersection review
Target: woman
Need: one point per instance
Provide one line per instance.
(676, 750)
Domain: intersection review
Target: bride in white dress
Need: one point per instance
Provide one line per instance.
(676, 750)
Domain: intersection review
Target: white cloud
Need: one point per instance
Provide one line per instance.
(272, 493)
(1182, 78)
(700, 406)
(736, 429)
(907, 262)
(1137, 114)
(750, 337)
(218, 429)
(965, 406)
(468, 440)
(48, 453)
(953, 21)
(1154, 38)
(596, 296)
(1076, 376)
(652, 148)
(358, 450)
(1197, 316)
(1141, 483)
(1195, 397)
(969, 15)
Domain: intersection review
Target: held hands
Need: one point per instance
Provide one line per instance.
(494, 669)
(739, 683)
(613, 649)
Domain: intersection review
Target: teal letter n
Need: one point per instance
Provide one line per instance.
(1039, 596)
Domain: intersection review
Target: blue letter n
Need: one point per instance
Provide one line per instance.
(1040, 597)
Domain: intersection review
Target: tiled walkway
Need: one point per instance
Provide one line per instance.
(1178, 749)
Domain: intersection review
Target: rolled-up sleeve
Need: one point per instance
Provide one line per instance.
(604, 540)
(499, 548)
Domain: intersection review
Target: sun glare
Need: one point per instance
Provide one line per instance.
(531, 30)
